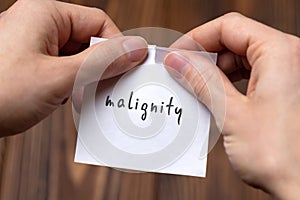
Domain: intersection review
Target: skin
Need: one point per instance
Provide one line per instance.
(261, 130)
(261, 133)
(33, 35)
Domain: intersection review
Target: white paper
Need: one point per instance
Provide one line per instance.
(156, 139)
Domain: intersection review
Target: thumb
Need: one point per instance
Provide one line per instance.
(200, 76)
(101, 61)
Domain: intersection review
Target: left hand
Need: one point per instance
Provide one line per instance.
(34, 81)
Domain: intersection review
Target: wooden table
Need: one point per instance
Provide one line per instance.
(39, 164)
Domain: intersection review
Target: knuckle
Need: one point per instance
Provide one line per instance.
(296, 42)
(99, 12)
(2, 13)
(233, 15)
(200, 90)
(293, 44)
(198, 84)
(233, 19)
(24, 1)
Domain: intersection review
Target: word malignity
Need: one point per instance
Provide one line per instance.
(145, 107)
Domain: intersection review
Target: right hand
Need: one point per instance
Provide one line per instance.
(261, 129)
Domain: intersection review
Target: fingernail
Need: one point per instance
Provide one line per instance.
(177, 63)
(136, 48)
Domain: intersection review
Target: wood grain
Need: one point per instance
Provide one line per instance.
(39, 163)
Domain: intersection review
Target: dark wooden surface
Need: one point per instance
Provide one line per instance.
(39, 163)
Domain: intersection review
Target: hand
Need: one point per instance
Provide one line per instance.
(261, 129)
(34, 81)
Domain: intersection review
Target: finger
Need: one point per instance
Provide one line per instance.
(72, 48)
(229, 62)
(239, 74)
(188, 43)
(107, 59)
(207, 82)
(79, 23)
(233, 32)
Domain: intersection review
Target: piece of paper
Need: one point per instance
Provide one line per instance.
(145, 121)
